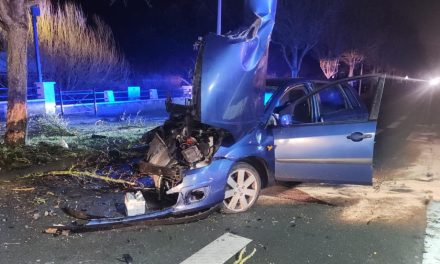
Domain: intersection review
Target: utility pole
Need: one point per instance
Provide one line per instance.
(35, 10)
(219, 17)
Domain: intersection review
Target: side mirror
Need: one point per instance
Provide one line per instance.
(286, 120)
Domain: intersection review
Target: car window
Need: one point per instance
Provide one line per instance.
(303, 112)
(288, 105)
(331, 100)
(352, 96)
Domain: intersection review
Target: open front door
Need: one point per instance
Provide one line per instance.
(331, 137)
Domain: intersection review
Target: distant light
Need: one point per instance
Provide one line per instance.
(109, 96)
(267, 97)
(134, 92)
(406, 77)
(434, 82)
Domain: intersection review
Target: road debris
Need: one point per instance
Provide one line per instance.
(242, 258)
(161, 217)
(36, 216)
(134, 204)
(126, 258)
(24, 189)
(39, 200)
(80, 174)
(50, 213)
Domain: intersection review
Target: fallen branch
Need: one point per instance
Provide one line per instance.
(242, 258)
(80, 174)
(24, 189)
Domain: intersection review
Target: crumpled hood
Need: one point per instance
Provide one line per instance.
(233, 71)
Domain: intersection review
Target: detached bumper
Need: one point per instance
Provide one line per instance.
(209, 180)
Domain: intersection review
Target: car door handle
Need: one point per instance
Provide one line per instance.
(358, 136)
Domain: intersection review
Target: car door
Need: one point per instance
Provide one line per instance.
(337, 144)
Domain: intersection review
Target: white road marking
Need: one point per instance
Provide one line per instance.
(394, 124)
(219, 251)
(431, 253)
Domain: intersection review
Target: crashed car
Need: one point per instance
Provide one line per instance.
(308, 132)
(227, 143)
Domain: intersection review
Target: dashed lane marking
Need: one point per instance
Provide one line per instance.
(219, 251)
(431, 253)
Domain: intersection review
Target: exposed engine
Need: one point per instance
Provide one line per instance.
(180, 144)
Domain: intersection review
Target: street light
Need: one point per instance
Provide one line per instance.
(434, 81)
(219, 17)
(35, 11)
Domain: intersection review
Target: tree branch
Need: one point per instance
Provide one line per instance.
(284, 52)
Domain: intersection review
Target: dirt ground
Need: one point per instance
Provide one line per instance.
(29, 205)
(397, 194)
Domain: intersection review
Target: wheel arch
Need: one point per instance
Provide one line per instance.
(261, 166)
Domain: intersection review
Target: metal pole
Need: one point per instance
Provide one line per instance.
(360, 81)
(35, 13)
(61, 101)
(219, 17)
(94, 101)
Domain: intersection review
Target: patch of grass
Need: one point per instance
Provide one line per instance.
(129, 122)
(50, 125)
(41, 153)
(93, 146)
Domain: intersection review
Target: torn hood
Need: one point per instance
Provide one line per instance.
(230, 73)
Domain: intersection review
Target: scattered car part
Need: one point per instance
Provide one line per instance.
(134, 203)
(163, 217)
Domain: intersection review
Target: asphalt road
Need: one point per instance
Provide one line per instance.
(294, 231)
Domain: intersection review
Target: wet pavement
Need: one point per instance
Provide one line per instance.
(305, 223)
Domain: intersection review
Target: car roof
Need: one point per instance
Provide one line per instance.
(281, 82)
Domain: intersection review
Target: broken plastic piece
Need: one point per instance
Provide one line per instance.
(134, 203)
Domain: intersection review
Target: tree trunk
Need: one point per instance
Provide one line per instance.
(17, 85)
(295, 65)
(351, 70)
(294, 73)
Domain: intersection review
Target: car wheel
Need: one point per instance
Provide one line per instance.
(242, 188)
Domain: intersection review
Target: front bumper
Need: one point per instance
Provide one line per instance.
(210, 179)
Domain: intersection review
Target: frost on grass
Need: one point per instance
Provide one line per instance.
(90, 143)
(50, 125)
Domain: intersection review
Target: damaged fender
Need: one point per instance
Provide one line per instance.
(209, 180)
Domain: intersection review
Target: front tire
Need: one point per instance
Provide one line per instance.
(242, 188)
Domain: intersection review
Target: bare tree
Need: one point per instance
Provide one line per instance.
(330, 47)
(14, 22)
(352, 58)
(298, 28)
(76, 54)
(329, 66)
(363, 27)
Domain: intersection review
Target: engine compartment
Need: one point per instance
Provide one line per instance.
(181, 143)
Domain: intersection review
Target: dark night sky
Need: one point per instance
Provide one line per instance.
(160, 38)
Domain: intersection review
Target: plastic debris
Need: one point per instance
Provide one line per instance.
(134, 203)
